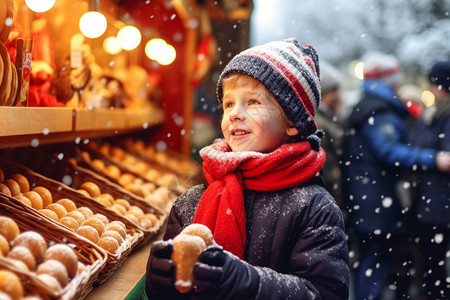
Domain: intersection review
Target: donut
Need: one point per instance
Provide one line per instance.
(86, 211)
(98, 164)
(113, 171)
(91, 188)
(33, 241)
(8, 228)
(113, 234)
(186, 249)
(5, 189)
(58, 209)
(13, 186)
(201, 231)
(50, 281)
(117, 227)
(101, 217)
(124, 203)
(84, 192)
(10, 284)
(105, 199)
(109, 243)
(35, 199)
(22, 181)
(96, 223)
(89, 232)
(68, 204)
(69, 222)
(49, 213)
(54, 268)
(78, 216)
(23, 254)
(64, 254)
(45, 194)
(4, 246)
(119, 209)
(24, 200)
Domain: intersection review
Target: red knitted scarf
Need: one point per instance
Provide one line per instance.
(221, 207)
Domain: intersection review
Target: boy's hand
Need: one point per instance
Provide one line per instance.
(160, 276)
(221, 275)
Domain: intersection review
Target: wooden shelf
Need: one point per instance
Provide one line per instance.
(31, 126)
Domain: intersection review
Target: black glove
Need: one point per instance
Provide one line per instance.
(221, 275)
(160, 276)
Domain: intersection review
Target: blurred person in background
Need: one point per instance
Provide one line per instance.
(375, 155)
(432, 211)
(328, 121)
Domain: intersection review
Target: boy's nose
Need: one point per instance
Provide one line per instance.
(238, 112)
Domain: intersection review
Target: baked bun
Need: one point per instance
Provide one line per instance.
(65, 255)
(10, 284)
(33, 241)
(22, 181)
(186, 249)
(8, 228)
(45, 194)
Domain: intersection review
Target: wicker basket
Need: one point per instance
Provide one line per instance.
(90, 255)
(177, 187)
(135, 236)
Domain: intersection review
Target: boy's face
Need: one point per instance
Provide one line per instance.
(253, 120)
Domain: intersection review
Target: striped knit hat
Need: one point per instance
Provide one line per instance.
(290, 72)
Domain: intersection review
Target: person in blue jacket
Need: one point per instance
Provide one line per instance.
(279, 232)
(376, 154)
(432, 211)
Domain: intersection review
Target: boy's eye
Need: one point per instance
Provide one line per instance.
(253, 102)
(227, 104)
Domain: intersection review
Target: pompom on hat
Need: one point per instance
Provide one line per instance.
(290, 72)
(384, 67)
(440, 74)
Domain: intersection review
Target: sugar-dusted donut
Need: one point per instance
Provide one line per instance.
(199, 230)
(186, 249)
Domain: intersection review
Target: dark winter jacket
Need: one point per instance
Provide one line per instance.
(433, 186)
(295, 240)
(375, 155)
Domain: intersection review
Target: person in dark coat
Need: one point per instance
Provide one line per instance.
(329, 121)
(432, 212)
(279, 233)
(375, 155)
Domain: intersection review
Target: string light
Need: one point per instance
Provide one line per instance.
(40, 6)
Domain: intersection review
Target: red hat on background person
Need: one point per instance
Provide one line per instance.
(384, 67)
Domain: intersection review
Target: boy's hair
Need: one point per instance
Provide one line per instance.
(290, 72)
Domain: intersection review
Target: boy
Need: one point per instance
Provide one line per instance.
(280, 233)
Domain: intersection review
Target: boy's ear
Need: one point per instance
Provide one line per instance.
(291, 130)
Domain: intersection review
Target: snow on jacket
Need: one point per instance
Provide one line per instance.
(295, 240)
(433, 186)
(375, 153)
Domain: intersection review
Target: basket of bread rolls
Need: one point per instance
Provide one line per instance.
(66, 207)
(150, 171)
(41, 260)
(146, 186)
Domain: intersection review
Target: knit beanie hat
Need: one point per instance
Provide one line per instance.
(382, 67)
(330, 77)
(440, 74)
(289, 71)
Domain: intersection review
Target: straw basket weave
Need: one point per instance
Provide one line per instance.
(92, 257)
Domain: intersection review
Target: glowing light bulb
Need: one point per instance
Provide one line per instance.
(40, 5)
(154, 47)
(168, 56)
(111, 45)
(159, 50)
(93, 24)
(358, 70)
(129, 37)
(428, 98)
